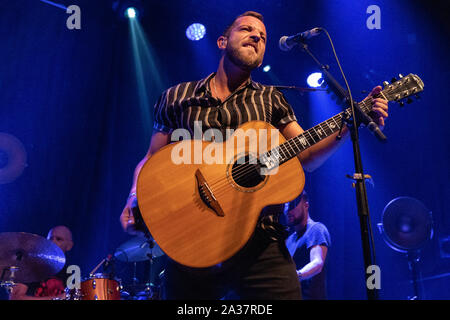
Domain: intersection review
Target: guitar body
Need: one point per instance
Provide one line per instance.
(202, 213)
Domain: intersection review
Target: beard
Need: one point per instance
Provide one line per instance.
(244, 61)
(292, 223)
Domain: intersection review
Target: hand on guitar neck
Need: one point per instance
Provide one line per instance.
(380, 107)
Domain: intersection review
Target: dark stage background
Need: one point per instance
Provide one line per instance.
(82, 108)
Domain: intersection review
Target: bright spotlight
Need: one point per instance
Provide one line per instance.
(195, 31)
(267, 68)
(315, 80)
(128, 9)
(131, 13)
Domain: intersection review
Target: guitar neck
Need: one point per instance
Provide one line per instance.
(396, 91)
(312, 136)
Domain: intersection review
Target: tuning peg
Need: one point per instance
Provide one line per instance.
(385, 83)
(417, 96)
(401, 103)
(393, 79)
(400, 76)
(409, 100)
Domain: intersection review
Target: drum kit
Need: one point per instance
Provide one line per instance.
(142, 249)
(26, 258)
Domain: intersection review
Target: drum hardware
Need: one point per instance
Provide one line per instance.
(140, 249)
(9, 283)
(100, 286)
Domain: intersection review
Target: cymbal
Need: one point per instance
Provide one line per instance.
(138, 249)
(35, 257)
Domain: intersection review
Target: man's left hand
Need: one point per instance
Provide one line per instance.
(379, 108)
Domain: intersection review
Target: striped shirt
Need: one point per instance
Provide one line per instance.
(182, 105)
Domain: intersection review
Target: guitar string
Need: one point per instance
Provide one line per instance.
(313, 136)
(244, 169)
(242, 173)
(284, 148)
(238, 172)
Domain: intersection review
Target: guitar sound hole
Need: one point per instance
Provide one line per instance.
(246, 172)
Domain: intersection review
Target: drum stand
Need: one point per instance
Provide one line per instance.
(10, 283)
(413, 262)
(147, 291)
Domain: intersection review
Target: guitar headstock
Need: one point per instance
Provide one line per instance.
(403, 88)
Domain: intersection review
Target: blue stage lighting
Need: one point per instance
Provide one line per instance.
(131, 13)
(195, 31)
(315, 80)
(267, 68)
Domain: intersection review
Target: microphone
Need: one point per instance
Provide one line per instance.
(287, 43)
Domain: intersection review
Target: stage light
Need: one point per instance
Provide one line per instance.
(267, 68)
(195, 31)
(131, 10)
(131, 13)
(315, 80)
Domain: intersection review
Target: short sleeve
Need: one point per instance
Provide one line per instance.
(162, 116)
(319, 235)
(283, 110)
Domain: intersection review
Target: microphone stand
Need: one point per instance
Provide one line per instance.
(360, 187)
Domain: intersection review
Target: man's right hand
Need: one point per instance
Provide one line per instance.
(127, 219)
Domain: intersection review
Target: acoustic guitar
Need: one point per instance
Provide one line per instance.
(202, 212)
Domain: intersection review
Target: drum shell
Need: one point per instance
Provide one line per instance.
(100, 288)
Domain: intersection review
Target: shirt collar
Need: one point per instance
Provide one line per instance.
(202, 85)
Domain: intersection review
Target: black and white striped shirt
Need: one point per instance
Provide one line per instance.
(181, 105)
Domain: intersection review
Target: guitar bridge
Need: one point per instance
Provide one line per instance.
(207, 195)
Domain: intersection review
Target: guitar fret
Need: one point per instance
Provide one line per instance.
(319, 132)
(285, 148)
(281, 149)
(290, 148)
(314, 134)
(324, 129)
(336, 123)
(304, 141)
(308, 138)
(331, 125)
(312, 138)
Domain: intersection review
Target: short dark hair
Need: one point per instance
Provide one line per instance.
(255, 14)
(294, 203)
(304, 195)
